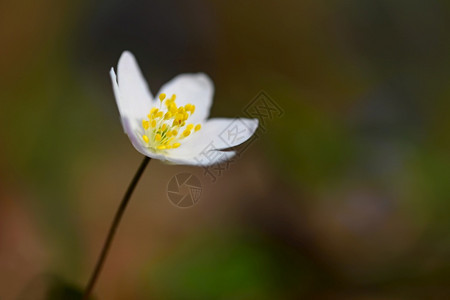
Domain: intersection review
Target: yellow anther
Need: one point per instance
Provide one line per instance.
(179, 117)
(163, 124)
(172, 108)
(169, 102)
(186, 133)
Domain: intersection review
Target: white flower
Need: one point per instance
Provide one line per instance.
(173, 127)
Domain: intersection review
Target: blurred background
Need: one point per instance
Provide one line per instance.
(345, 195)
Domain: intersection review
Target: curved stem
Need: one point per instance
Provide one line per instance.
(113, 228)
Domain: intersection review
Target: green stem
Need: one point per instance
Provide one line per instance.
(113, 228)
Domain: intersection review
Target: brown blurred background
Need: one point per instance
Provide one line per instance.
(345, 196)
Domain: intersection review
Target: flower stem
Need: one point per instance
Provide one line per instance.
(113, 228)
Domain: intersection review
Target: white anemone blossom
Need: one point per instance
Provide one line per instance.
(174, 127)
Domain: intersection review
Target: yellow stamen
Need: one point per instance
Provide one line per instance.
(173, 108)
(186, 133)
(163, 124)
(179, 116)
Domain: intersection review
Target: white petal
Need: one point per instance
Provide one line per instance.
(203, 147)
(196, 89)
(220, 133)
(207, 159)
(135, 96)
(134, 131)
(120, 104)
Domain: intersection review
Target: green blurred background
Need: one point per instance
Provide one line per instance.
(345, 196)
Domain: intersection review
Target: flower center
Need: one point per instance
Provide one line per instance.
(166, 126)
